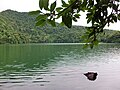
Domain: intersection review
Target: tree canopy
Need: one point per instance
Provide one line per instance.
(19, 27)
(98, 12)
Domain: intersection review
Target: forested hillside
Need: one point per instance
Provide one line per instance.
(19, 27)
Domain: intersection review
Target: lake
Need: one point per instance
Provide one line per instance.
(59, 67)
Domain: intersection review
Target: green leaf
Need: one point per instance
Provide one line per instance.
(35, 12)
(95, 42)
(89, 19)
(58, 9)
(64, 4)
(91, 34)
(91, 3)
(67, 19)
(118, 16)
(41, 22)
(77, 15)
(74, 19)
(52, 7)
(41, 17)
(62, 24)
(52, 22)
(41, 5)
(84, 3)
(44, 4)
(114, 18)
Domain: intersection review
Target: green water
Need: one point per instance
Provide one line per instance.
(58, 67)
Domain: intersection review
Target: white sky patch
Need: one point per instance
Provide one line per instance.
(82, 21)
(31, 5)
(19, 5)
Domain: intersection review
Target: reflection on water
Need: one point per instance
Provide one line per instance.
(58, 67)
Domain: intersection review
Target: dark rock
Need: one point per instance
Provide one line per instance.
(91, 75)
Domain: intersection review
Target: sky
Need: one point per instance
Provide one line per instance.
(31, 5)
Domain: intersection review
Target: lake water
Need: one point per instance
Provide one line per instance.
(59, 67)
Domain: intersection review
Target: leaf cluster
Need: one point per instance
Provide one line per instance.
(98, 12)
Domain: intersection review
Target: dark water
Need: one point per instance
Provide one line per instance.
(59, 67)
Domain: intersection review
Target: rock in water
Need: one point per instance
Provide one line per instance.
(91, 75)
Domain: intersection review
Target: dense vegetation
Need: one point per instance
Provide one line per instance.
(19, 27)
(98, 12)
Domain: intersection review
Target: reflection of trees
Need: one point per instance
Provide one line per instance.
(20, 57)
(30, 56)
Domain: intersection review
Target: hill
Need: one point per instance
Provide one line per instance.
(19, 27)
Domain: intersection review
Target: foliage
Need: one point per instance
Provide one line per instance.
(98, 12)
(8, 34)
(19, 27)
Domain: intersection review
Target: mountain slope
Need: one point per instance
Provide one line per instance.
(19, 27)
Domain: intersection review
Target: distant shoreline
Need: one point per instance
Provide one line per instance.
(55, 44)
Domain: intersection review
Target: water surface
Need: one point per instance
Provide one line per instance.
(59, 67)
